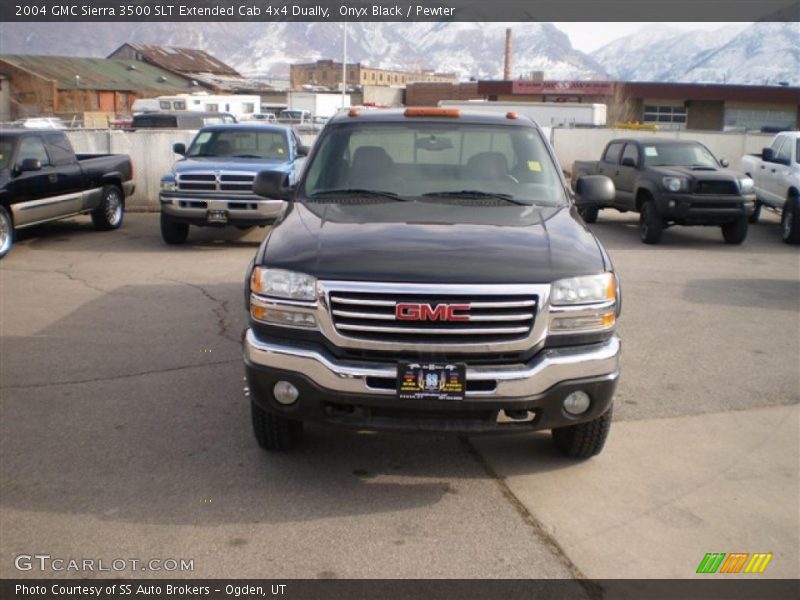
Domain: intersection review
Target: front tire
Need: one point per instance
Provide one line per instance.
(790, 221)
(6, 231)
(589, 214)
(735, 232)
(172, 232)
(651, 225)
(756, 213)
(274, 433)
(583, 440)
(111, 211)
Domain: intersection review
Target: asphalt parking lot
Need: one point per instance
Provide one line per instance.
(125, 429)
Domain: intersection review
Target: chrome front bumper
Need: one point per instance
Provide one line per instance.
(548, 368)
(248, 208)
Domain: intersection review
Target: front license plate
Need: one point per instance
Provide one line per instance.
(217, 216)
(420, 381)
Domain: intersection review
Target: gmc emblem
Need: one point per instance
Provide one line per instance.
(425, 312)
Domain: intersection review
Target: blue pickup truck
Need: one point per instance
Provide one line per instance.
(212, 185)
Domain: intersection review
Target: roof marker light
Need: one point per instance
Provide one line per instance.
(433, 112)
(512, 115)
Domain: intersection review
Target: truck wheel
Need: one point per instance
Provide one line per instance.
(6, 231)
(651, 226)
(585, 439)
(273, 432)
(790, 220)
(735, 232)
(756, 213)
(111, 211)
(589, 214)
(173, 232)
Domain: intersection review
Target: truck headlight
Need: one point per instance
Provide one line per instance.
(675, 184)
(283, 284)
(746, 185)
(168, 185)
(584, 304)
(584, 290)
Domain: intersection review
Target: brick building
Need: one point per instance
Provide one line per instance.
(328, 73)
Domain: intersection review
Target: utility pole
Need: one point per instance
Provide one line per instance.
(344, 65)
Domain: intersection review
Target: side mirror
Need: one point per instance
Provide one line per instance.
(724, 163)
(30, 164)
(591, 190)
(303, 150)
(179, 148)
(768, 155)
(270, 184)
(628, 162)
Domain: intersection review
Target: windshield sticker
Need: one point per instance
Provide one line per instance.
(534, 165)
(650, 151)
(202, 138)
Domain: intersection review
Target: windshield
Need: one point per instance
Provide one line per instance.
(678, 155)
(271, 145)
(6, 148)
(435, 162)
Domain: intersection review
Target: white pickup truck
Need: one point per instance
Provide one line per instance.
(776, 173)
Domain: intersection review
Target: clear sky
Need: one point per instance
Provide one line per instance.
(591, 36)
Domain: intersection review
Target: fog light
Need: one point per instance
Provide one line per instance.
(285, 392)
(577, 403)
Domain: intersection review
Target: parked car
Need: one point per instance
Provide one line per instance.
(179, 120)
(261, 117)
(212, 185)
(671, 182)
(295, 117)
(42, 179)
(432, 273)
(776, 172)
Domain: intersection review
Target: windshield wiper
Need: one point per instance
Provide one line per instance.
(248, 156)
(477, 194)
(357, 192)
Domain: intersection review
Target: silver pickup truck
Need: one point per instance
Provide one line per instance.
(776, 173)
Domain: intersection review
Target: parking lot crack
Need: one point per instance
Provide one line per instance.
(593, 589)
(28, 386)
(220, 311)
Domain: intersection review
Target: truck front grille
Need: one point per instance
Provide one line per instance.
(216, 182)
(723, 188)
(429, 319)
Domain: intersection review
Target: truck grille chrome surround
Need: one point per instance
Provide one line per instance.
(223, 181)
(433, 317)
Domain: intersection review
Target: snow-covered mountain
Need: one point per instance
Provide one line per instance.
(753, 54)
(756, 54)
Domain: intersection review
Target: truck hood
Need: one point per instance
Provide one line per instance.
(718, 173)
(242, 165)
(425, 242)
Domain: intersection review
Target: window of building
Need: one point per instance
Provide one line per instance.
(248, 107)
(665, 115)
(164, 104)
(212, 107)
(179, 105)
(755, 119)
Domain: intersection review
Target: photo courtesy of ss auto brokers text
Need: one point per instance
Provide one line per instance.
(402, 300)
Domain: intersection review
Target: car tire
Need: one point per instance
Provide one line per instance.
(756, 213)
(790, 220)
(6, 231)
(651, 225)
(273, 432)
(111, 211)
(589, 214)
(583, 440)
(735, 232)
(172, 232)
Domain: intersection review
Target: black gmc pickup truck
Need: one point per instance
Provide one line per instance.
(671, 182)
(42, 179)
(431, 273)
